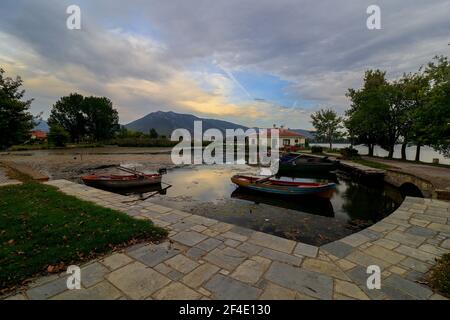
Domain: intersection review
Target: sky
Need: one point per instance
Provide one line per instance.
(252, 62)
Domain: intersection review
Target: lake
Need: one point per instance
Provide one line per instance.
(427, 154)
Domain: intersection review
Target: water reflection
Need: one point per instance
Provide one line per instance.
(311, 205)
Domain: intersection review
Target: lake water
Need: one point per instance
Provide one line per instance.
(427, 154)
(207, 191)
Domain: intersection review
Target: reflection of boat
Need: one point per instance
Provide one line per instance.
(293, 162)
(324, 190)
(121, 181)
(312, 205)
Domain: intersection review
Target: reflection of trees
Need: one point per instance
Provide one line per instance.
(374, 199)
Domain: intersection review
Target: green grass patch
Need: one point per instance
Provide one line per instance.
(440, 275)
(41, 227)
(372, 164)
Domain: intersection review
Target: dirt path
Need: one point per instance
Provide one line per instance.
(438, 176)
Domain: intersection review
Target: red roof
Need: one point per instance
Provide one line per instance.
(39, 134)
(283, 133)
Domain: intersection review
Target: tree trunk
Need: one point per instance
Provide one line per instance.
(331, 145)
(418, 153)
(370, 150)
(391, 152)
(404, 150)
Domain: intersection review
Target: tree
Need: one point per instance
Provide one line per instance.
(68, 113)
(436, 114)
(58, 136)
(153, 134)
(414, 88)
(102, 120)
(368, 119)
(90, 117)
(15, 120)
(327, 125)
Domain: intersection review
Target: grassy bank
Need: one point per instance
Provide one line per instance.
(43, 229)
(372, 164)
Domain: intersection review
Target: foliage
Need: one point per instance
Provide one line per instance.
(142, 142)
(15, 120)
(412, 109)
(440, 275)
(153, 134)
(316, 149)
(91, 118)
(43, 227)
(349, 153)
(327, 125)
(58, 136)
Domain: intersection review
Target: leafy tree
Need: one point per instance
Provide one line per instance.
(102, 120)
(90, 117)
(58, 136)
(328, 125)
(15, 120)
(153, 134)
(414, 87)
(68, 113)
(365, 122)
(435, 118)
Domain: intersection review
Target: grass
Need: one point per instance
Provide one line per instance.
(46, 146)
(43, 229)
(440, 275)
(372, 164)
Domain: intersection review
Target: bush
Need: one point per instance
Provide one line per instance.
(316, 149)
(58, 136)
(349, 153)
(143, 142)
(440, 275)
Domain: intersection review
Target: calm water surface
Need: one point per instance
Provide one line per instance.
(207, 191)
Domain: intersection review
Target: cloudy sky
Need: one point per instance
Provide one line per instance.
(253, 62)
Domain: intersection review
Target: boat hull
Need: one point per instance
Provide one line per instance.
(121, 182)
(324, 190)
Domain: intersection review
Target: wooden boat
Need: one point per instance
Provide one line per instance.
(292, 162)
(268, 185)
(121, 181)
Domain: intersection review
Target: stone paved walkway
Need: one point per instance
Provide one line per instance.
(5, 180)
(208, 259)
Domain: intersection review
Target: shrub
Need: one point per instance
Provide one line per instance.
(58, 136)
(316, 149)
(440, 275)
(349, 153)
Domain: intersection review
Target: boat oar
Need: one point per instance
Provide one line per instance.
(133, 171)
(265, 179)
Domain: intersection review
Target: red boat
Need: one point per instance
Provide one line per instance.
(121, 181)
(135, 180)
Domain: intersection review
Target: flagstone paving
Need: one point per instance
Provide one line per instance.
(207, 259)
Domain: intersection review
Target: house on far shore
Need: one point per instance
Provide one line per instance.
(287, 139)
(38, 135)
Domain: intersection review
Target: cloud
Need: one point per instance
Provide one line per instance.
(157, 55)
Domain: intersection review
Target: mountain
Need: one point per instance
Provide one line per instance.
(165, 122)
(41, 125)
(306, 133)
